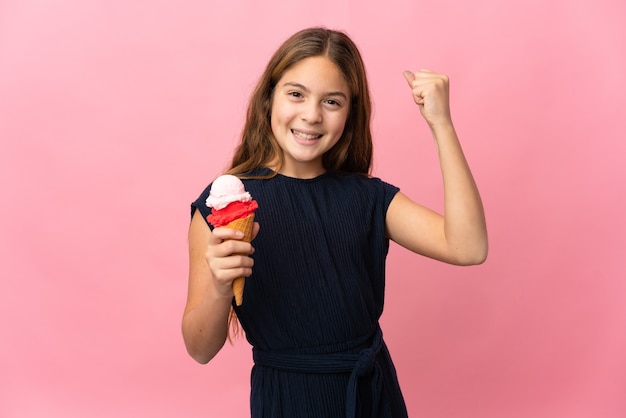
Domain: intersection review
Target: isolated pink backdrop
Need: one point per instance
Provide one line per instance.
(114, 116)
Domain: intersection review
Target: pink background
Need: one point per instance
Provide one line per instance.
(114, 115)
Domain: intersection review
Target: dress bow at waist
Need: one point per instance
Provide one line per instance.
(358, 365)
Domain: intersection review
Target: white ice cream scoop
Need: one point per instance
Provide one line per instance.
(225, 190)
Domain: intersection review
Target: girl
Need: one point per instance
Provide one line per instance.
(316, 274)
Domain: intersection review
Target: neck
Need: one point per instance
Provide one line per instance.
(305, 171)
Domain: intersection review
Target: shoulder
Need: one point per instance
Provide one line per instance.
(200, 203)
(370, 186)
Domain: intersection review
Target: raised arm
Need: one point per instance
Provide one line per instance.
(459, 236)
(214, 262)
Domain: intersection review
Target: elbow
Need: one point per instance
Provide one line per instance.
(201, 358)
(200, 355)
(199, 347)
(478, 251)
(476, 260)
(473, 256)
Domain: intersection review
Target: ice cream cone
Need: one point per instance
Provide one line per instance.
(244, 225)
(232, 207)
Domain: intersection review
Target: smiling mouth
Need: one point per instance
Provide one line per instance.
(305, 136)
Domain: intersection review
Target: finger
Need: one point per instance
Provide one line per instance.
(230, 267)
(223, 233)
(409, 77)
(413, 84)
(239, 266)
(428, 77)
(226, 276)
(235, 262)
(255, 229)
(234, 246)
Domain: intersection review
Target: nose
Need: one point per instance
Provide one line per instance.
(311, 113)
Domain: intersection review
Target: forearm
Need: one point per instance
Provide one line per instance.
(205, 326)
(464, 219)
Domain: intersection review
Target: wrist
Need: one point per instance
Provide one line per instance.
(443, 127)
(221, 293)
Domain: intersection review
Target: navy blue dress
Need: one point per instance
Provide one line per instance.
(311, 307)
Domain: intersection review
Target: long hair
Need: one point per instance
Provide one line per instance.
(258, 146)
(353, 152)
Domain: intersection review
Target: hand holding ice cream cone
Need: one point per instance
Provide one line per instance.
(232, 207)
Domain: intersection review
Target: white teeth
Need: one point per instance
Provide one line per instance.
(305, 136)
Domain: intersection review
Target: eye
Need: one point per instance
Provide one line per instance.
(296, 94)
(333, 102)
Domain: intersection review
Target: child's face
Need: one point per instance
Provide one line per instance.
(309, 111)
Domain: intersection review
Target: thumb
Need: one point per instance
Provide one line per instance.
(409, 76)
(255, 230)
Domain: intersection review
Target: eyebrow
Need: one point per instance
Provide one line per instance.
(300, 86)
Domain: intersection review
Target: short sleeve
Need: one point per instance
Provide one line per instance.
(389, 192)
(200, 204)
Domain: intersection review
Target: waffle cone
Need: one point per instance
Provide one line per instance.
(244, 225)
